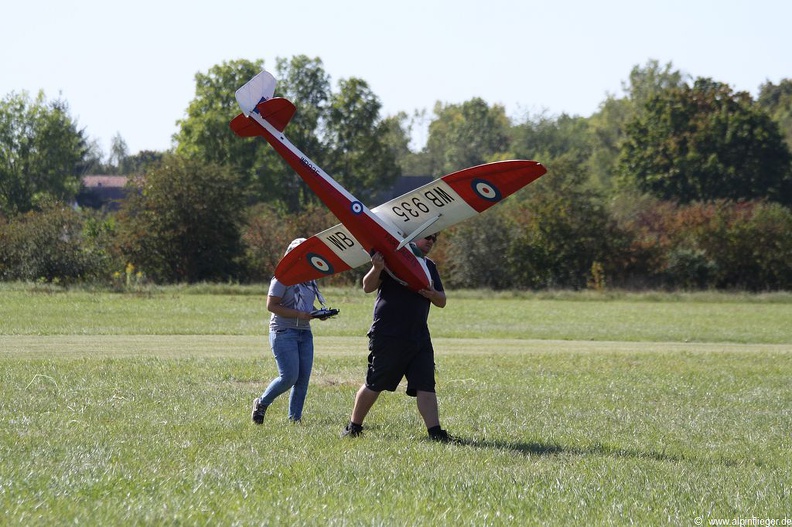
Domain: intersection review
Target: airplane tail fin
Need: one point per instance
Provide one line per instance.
(258, 89)
(257, 97)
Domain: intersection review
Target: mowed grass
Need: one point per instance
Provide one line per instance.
(573, 409)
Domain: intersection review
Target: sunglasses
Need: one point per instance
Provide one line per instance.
(432, 237)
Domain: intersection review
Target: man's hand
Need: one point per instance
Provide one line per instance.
(372, 279)
(378, 261)
(438, 298)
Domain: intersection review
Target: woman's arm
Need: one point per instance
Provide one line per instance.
(274, 306)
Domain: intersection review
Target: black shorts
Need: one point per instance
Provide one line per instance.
(391, 359)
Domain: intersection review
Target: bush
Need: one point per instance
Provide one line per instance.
(751, 245)
(721, 244)
(543, 242)
(474, 252)
(690, 269)
(49, 245)
(182, 221)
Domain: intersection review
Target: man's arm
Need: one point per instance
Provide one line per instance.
(438, 298)
(372, 280)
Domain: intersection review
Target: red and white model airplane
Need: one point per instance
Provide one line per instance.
(388, 228)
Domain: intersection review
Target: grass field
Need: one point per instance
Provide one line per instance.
(124, 409)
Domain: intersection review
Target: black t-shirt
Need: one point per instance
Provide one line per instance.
(401, 312)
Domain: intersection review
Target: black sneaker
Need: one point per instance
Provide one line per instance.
(442, 436)
(352, 430)
(259, 409)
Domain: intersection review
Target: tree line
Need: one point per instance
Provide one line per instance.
(677, 183)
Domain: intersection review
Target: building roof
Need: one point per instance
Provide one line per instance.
(100, 181)
(402, 185)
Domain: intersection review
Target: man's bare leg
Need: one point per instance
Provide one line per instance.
(364, 400)
(427, 407)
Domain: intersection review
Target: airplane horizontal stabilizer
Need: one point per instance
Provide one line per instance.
(276, 111)
(245, 127)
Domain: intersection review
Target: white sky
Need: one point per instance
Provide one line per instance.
(129, 67)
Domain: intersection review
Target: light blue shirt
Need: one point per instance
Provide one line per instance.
(300, 297)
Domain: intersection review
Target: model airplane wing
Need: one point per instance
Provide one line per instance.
(426, 210)
(458, 196)
(331, 251)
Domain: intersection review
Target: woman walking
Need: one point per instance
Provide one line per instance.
(291, 341)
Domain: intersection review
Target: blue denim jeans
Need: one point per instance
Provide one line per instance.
(293, 350)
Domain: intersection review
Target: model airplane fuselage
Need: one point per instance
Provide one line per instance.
(387, 229)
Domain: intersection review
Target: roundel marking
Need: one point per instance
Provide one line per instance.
(357, 207)
(319, 263)
(486, 190)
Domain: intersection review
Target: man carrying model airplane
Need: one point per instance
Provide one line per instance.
(399, 343)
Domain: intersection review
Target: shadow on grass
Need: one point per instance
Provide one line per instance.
(554, 449)
(536, 448)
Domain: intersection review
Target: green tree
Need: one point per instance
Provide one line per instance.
(399, 136)
(92, 162)
(205, 134)
(706, 142)
(777, 101)
(607, 134)
(356, 141)
(42, 153)
(465, 135)
(397, 139)
(607, 126)
(119, 152)
(650, 80)
(138, 164)
(182, 222)
(545, 139)
(305, 83)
